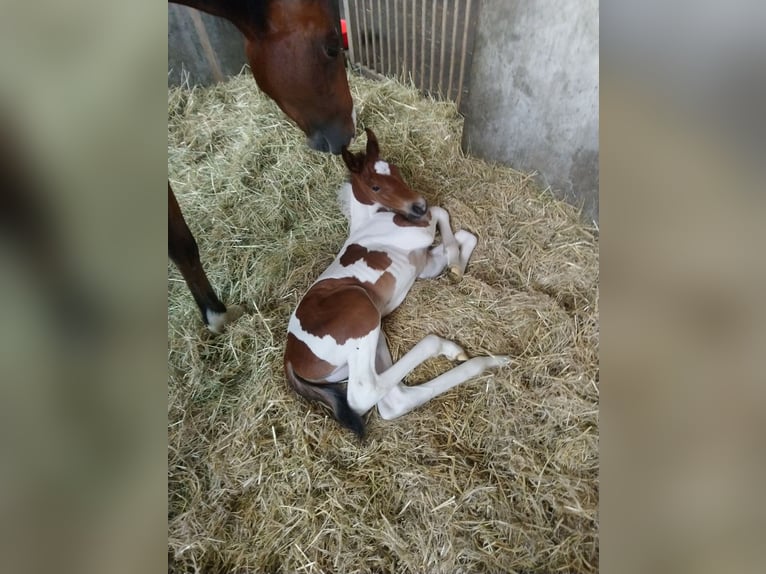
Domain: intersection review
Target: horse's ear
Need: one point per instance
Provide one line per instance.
(354, 162)
(372, 146)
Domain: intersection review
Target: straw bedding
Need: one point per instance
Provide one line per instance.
(497, 475)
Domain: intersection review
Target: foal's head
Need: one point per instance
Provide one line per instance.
(295, 51)
(374, 181)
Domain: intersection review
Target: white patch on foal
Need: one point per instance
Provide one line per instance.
(382, 167)
(326, 348)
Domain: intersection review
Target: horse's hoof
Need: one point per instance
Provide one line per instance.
(462, 357)
(455, 274)
(218, 321)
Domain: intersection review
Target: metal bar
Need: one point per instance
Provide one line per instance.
(396, 31)
(441, 57)
(380, 38)
(414, 37)
(423, 47)
(388, 34)
(366, 36)
(462, 55)
(374, 42)
(358, 26)
(347, 13)
(404, 29)
(433, 44)
(452, 54)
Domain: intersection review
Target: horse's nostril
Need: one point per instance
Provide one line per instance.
(317, 142)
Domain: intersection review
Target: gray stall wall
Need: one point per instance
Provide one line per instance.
(202, 49)
(533, 102)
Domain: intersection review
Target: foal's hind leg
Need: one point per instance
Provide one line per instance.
(367, 386)
(402, 399)
(183, 251)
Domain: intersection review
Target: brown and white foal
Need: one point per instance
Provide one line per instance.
(335, 333)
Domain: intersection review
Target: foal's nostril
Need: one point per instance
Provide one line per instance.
(419, 208)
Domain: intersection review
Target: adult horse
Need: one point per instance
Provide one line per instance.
(295, 52)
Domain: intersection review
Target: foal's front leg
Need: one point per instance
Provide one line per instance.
(454, 251)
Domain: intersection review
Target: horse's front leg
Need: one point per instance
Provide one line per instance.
(183, 251)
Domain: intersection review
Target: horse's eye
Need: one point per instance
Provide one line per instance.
(375, 188)
(332, 50)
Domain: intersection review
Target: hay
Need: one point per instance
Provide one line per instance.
(498, 475)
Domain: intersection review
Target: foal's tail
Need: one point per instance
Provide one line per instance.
(332, 395)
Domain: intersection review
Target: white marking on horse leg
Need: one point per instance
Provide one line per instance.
(467, 243)
(435, 263)
(450, 243)
(383, 360)
(217, 321)
(402, 399)
(362, 391)
(366, 387)
(382, 167)
(353, 116)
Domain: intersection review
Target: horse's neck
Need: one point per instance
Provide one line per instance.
(247, 15)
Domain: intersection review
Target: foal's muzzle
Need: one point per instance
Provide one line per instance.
(418, 210)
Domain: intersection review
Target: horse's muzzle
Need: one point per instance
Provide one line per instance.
(331, 139)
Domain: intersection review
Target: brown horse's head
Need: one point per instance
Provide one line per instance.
(295, 51)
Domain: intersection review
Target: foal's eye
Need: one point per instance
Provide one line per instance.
(375, 188)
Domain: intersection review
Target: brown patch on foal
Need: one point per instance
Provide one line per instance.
(308, 366)
(378, 260)
(328, 305)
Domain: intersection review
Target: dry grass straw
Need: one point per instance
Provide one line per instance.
(498, 475)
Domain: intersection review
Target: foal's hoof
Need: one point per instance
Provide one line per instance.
(216, 322)
(462, 357)
(455, 274)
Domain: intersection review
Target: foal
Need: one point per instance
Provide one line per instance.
(335, 333)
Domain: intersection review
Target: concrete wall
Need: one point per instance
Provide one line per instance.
(533, 102)
(223, 56)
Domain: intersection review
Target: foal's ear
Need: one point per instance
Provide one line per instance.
(372, 146)
(354, 162)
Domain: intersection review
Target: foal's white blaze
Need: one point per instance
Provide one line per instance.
(382, 167)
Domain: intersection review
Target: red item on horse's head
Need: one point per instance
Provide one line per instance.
(344, 33)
